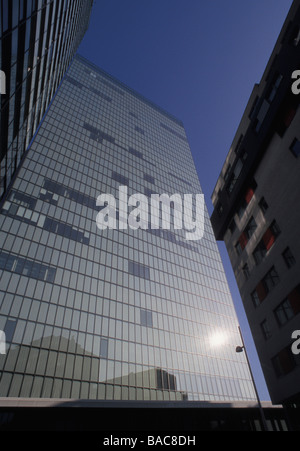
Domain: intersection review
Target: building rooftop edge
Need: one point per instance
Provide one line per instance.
(131, 90)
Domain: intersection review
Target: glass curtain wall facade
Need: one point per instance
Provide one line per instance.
(38, 40)
(111, 314)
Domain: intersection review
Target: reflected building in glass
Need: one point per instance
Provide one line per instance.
(38, 40)
(112, 314)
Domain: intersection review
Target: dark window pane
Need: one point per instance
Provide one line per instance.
(140, 130)
(180, 178)
(271, 279)
(104, 348)
(51, 275)
(146, 318)
(149, 178)
(120, 178)
(265, 329)
(289, 258)
(255, 298)
(136, 153)
(295, 148)
(73, 82)
(169, 129)
(284, 312)
(139, 270)
(263, 205)
(9, 330)
(21, 199)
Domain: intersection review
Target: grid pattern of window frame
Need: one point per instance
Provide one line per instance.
(81, 336)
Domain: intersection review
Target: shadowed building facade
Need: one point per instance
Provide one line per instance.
(256, 213)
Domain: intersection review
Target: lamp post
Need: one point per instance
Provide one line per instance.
(241, 349)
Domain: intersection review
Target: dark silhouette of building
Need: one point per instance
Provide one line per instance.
(256, 213)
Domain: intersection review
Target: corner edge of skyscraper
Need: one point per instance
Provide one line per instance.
(38, 41)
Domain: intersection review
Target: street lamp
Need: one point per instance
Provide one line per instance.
(239, 349)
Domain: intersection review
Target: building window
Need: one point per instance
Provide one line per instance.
(139, 130)
(261, 291)
(239, 143)
(169, 129)
(243, 240)
(234, 176)
(250, 228)
(146, 318)
(274, 87)
(133, 115)
(263, 205)
(241, 209)
(136, 153)
(238, 248)
(246, 271)
(259, 252)
(246, 235)
(284, 362)
(28, 268)
(271, 235)
(288, 258)
(295, 148)
(149, 178)
(261, 112)
(180, 179)
(266, 242)
(120, 178)
(271, 279)
(104, 348)
(255, 298)
(261, 115)
(165, 380)
(248, 194)
(226, 175)
(265, 329)
(139, 270)
(9, 330)
(289, 308)
(232, 226)
(284, 312)
(22, 200)
(295, 37)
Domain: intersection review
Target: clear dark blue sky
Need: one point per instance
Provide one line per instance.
(198, 60)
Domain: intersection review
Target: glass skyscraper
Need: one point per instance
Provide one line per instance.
(38, 39)
(111, 314)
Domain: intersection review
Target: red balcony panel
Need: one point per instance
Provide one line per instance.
(249, 194)
(243, 240)
(269, 239)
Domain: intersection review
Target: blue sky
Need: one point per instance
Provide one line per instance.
(198, 60)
